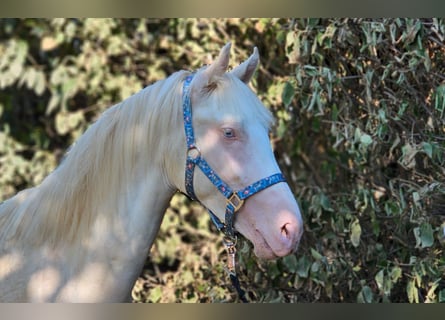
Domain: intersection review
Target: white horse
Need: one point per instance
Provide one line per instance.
(82, 234)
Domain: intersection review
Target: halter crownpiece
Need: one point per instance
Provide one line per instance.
(234, 199)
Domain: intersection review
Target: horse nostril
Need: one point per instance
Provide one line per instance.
(291, 232)
(290, 237)
(284, 230)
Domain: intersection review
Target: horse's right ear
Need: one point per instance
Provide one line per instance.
(215, 70)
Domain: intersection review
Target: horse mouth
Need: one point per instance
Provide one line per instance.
(271, 248)
(263, 250)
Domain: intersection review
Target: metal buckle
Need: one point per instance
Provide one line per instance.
(230, 244)
(235, 201)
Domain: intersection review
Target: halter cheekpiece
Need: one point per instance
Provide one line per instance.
(234, 199)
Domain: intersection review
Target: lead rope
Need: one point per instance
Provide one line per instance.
(230, 246)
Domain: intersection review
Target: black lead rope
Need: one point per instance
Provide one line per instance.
(237, 286)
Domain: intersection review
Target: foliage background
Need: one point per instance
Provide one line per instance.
(360, 134)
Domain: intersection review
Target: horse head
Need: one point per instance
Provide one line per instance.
(230, 129)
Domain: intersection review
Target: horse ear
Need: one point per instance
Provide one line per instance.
(215, 70)
(246, 69)
(220, 65)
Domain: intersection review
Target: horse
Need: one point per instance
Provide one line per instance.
(83, 233)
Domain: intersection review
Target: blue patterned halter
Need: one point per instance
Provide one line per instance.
(234, 199)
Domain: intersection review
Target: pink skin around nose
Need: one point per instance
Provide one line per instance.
(271, 220)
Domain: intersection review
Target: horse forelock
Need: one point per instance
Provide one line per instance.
(98, 164)
(229, 95)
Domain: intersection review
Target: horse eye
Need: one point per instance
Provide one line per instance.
(229, 133)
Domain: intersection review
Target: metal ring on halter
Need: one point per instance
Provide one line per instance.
(193, 152)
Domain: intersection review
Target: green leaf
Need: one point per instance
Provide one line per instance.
(53, 103)
(303, 266)
(428, 149)
(396, 274)
(365, 295)
(288, 93)
(315, 267)
(273, 271)
(290, 262)
(365, 140)
(442, 295)
(408, 156)
(66, 122)
(39, 85)
(292, 47)
(380, 279)
(356, 232)
(187, 277)
(316, 255)
(155, 294)
(424, 235)
(282, 128)
(325, 203)
(412, 292)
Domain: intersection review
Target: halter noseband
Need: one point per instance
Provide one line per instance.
(234, 199)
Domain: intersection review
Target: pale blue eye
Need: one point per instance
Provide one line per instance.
(229, 133)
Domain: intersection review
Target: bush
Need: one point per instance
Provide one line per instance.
(359, 133)
(369, 95)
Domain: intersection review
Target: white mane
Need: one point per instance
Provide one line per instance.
(63, 205)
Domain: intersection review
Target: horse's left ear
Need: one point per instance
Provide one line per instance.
(246, 69)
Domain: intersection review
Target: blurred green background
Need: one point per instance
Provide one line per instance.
(359, 133)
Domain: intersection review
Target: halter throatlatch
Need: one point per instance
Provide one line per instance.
(234, 199)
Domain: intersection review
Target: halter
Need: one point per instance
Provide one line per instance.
(234, 199)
